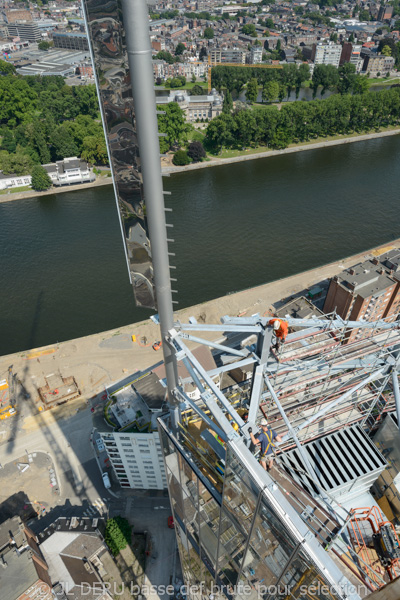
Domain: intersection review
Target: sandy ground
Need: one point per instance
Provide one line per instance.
(100, 359)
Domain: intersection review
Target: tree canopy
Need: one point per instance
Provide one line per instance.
(304, 121)
(40, 179)
(173, 124)
(118, 534)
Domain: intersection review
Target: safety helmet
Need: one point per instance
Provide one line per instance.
(276, 324)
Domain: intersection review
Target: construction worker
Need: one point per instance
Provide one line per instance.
(280, 330)
(266, 440)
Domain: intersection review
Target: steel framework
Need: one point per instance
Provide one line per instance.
(316, 386)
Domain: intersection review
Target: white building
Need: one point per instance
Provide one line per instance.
(70, 170)
(326, 54)
(13, 181)
(136, 459)
(195, 107)
(135, 403)
(256, 55)
(134, 447)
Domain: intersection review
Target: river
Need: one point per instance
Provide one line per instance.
(63, 271)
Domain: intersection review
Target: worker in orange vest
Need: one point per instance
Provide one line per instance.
(281, 330)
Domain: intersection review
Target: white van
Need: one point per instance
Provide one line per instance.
(106, 480)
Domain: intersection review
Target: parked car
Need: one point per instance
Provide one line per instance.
(100, 445)
(171, 523)
(106, 480)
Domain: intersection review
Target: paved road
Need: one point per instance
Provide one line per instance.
(68, 443)
(152, 514)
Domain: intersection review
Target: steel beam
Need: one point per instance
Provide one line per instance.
(227, 349)
(302, 452)
(185, 398)
(175, 337)
(322, 324)
(136, 24)
(335, 402)
(395, 382)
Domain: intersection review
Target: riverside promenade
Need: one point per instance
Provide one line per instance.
(102, 358)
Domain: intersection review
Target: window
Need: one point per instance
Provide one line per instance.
(145, 451)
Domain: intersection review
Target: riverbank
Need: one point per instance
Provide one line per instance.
(100, 181)
(259, 153)
(97, 360)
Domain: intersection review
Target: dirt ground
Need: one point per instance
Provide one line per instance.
(28, 494)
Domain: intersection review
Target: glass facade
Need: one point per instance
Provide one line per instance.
(106, 35)
(234, 545)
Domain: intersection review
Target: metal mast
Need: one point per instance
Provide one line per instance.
(136, 24)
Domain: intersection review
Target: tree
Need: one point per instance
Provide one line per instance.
(164, 55)
(118, 534)
(177, 82)
(326, 76)
(196, 151)
(63, 144)
(173, 124)
(40, 179)
(228, 102)
(270, 91)
(94, 150)
(351, 37)
(386, 50)
(334, 37)
(249, 29)
(252, 91)
(193, 78)
(8, 142)
(203, 53)
(347, 77)
(43, 45)
(18, 100)
(6, 68)
(197, 90)
(361, 84)
(269, 23)
(208, 33)
(180, 49)
(181, 158)
(364, 15)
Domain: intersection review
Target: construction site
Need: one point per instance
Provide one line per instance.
(328, 401)
(312, 514)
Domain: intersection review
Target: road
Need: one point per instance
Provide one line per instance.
(68, 443)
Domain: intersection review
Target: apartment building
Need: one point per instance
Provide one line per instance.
(26, 30)
(365, 291)
(219, 56)
(385, 13)
(255, 55)
(71, 41)
(326, 54)
(378, 64)
(133, 447)
(135, 403)
(351, 53)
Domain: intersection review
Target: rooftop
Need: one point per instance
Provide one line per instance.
(366, 278)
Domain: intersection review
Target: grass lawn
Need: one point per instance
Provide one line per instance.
(382, 81)
(23, 188)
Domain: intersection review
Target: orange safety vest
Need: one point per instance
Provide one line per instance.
(283, 329)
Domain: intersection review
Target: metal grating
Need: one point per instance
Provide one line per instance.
(339, 459)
